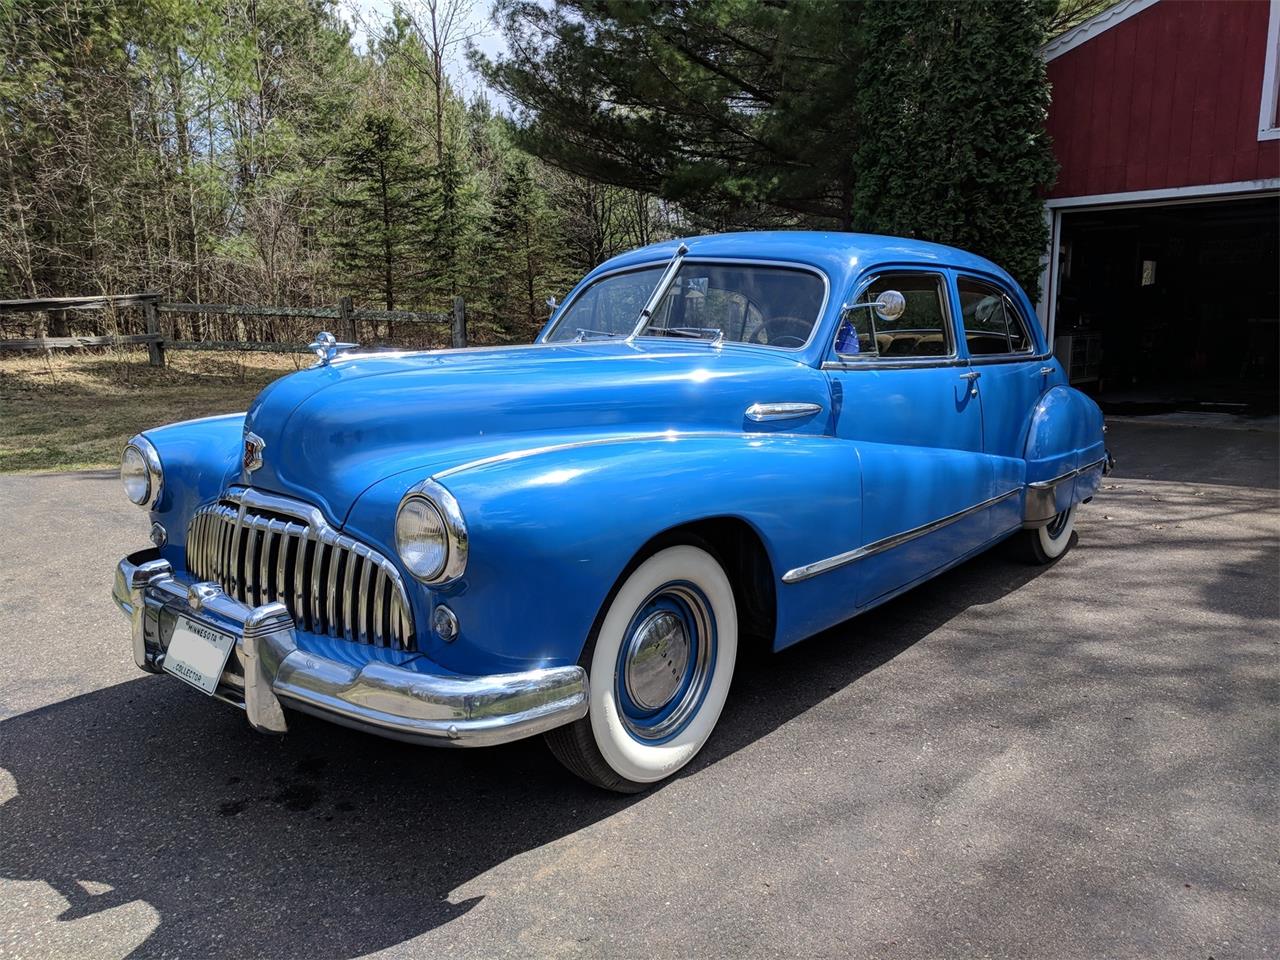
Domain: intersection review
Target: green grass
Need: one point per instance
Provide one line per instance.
(75, 410)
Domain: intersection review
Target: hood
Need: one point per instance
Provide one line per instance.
(330, 432)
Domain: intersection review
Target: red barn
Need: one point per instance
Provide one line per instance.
(1163, 276)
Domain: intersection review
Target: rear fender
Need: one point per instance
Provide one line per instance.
(550, 533)
(1064, 454)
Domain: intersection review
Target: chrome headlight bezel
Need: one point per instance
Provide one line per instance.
(455, 532)
(154, 471)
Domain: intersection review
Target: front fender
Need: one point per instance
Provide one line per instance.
(550, 532)
(199, 458)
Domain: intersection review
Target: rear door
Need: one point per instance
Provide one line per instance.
(900, 390)
(1009, 375)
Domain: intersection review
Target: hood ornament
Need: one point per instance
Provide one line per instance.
(251, 460)
(326, 346)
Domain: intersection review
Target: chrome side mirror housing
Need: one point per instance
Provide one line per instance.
(889, 306)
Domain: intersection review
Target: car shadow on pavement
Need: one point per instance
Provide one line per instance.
(332, 843)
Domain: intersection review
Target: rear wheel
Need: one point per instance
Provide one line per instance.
(659, 668)
(1047, 543)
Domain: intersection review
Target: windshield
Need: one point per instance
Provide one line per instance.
(744, 303)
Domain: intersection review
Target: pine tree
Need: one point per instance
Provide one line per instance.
(523, 247)
(382, 207)
(451, 211)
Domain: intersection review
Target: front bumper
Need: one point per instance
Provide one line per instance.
(268, 670)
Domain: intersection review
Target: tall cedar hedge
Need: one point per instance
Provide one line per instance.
(952, 147)
(915, 118)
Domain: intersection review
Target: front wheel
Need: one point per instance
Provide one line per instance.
(659, 673)
(1047, 543)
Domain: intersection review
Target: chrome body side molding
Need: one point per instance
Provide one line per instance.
(888, 543)
(764, 412)
(1042, 496)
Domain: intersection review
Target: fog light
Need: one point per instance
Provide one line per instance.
(159, 536)
(445, 623)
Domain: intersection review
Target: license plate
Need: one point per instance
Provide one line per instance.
(198, 654)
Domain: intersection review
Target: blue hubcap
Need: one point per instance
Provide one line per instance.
(665, 662)
(1058, 524)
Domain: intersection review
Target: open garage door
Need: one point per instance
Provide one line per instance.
(1173, 305)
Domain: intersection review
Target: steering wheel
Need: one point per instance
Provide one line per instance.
(781, 332)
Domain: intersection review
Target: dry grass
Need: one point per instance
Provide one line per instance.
(76, 409)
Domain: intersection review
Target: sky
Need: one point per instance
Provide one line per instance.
(364, 14)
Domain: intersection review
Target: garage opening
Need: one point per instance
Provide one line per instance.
(1174, 306)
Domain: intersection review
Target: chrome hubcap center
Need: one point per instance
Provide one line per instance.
(656, 660)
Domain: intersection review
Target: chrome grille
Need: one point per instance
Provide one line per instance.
(260, 548)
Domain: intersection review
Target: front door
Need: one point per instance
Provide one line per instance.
(901, 390)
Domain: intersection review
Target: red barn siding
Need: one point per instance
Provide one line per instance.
(1166, 98)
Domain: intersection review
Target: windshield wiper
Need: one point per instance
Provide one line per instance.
(585, 334)
(660, 290)
(714, 334)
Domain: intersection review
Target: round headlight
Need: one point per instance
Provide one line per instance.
(135, 476)
(421, 538)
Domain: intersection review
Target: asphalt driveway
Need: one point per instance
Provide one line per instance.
(1073, 761)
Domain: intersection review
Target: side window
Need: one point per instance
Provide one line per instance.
(921, 331)
(993, 326)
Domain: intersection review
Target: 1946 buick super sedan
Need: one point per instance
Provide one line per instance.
(731, 438)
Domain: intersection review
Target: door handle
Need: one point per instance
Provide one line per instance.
(1045, 371)
(972, 376)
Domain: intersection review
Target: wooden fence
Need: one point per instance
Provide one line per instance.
(344, 320)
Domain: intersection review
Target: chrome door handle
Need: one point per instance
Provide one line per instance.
(1045, 371)
(972, 376)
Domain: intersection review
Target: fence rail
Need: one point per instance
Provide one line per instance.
(347, 322)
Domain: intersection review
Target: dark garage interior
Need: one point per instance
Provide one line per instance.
(1174, 306)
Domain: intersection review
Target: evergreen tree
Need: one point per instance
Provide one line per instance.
(523, 246)
(913, 117)
(452, 215)
(383, 207)
(962, 85)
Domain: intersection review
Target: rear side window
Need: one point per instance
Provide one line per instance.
(993, 326)
(922, 330)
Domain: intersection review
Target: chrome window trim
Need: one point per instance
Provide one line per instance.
(847, 362)
(690, 259)
(905, 364)
(1010, 358)
(888, 543)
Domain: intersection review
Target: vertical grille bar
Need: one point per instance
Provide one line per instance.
(379, 598)
(362, 602)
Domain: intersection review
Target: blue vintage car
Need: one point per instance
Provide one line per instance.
(731, 439)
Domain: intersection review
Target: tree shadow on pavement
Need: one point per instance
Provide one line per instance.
(332, 843)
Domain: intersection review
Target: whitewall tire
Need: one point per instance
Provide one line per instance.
(1047, 543)
(659, 670)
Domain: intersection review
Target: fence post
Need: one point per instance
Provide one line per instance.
(348, 320)
(459, 322)
(155, 349)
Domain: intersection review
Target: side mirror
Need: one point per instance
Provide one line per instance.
(891, 305)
